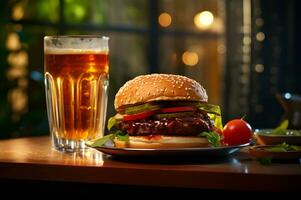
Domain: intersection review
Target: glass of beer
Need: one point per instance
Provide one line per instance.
(76, 83)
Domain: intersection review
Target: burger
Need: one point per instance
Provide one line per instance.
(163, 111)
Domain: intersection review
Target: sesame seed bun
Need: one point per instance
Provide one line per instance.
(156, 87)
(164, 142)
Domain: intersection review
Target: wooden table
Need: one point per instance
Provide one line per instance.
(33, 159)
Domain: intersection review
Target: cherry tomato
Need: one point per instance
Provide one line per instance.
(178, 109)
(138, 116)
(237, 132)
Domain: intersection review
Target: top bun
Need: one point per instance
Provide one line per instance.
(155, 87)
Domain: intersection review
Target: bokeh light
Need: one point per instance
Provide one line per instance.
(17, 12)
(190, 58)
(165, 20)
(13, 42)
(260, 36)
(259, 68)
(203, 20)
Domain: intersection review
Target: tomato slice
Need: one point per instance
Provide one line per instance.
(146, 114)
(178, 109)
(138, 116)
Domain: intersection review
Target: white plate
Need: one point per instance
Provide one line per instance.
(203, 151)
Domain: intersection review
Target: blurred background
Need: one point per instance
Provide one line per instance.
(244, 52)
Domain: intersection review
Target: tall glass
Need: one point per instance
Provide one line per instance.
(76, 83)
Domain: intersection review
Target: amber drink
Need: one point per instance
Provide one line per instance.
(76, 82)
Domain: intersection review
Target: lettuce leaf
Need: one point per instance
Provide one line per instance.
(213, 138)
(114, 120)
(111, 122)
(122, 136)
(284, 147)
(281, 129)
(214, 112)
(210, 108)
(98, 142)
(217, 120)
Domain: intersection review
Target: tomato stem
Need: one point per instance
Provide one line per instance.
(243, 117)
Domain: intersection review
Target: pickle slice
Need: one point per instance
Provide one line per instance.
(174, 115)
(134, 109)
(141, 108)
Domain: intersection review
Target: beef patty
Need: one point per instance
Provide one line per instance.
(176, 126)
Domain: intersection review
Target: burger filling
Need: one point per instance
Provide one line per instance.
(173, 118)
(190, 125)
(170, 118)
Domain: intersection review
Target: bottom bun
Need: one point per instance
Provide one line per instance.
(162, 142)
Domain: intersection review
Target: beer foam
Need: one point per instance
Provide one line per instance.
(75, 51)
(75, 45)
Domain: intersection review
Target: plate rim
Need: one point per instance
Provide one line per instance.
(175, 149)
(260, 133)
(262, 153)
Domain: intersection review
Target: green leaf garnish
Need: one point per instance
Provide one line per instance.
(122, 136)
(265, 161)
(213, 138)
(284, 147)
(214, 113)
(98, 142)
(295, 148)
(281, 129)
